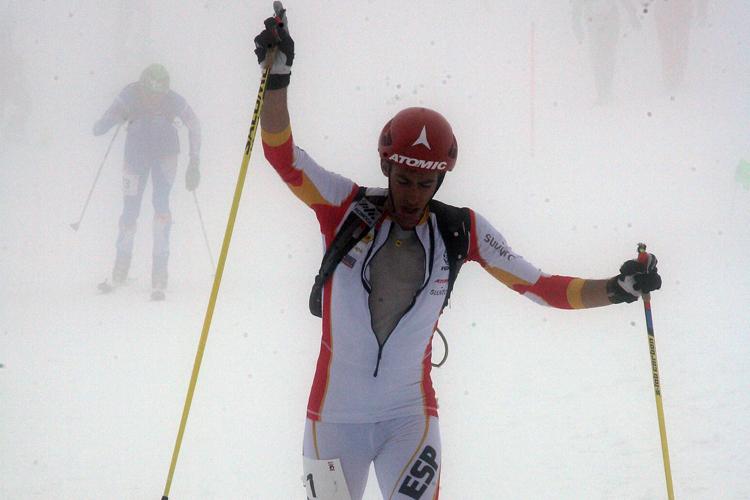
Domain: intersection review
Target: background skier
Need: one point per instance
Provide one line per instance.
(152, 146)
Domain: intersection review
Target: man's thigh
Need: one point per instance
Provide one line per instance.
(350, 443)
(409, 458)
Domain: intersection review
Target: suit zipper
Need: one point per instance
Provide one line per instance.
(413, 301)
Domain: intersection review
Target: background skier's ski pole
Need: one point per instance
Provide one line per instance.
(643, 258)
(219, 273)
(77, 224)
(205, 236)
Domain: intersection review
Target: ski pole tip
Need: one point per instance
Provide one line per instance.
(75, 226)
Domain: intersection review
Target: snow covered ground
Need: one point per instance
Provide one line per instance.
(536, 403)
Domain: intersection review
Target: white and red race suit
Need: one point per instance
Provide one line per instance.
(357, 379)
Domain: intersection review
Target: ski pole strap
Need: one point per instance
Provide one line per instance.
(363, 217)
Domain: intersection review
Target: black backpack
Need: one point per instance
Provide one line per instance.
(453, 223)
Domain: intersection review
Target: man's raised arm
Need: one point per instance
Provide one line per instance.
(274, 46)
(274, 117)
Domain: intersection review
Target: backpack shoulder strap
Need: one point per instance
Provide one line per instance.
(454, 224)
(365, 213)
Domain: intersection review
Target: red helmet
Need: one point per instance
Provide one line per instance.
(419, 138)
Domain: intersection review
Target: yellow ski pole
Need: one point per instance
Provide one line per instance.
(643, 258)
(219, 273)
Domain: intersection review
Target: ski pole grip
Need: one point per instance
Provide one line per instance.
(642, 255)
(279, 13)
(643, 259)
(278, 8)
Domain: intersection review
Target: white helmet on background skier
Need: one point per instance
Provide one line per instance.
(419, 139)
(155, 78)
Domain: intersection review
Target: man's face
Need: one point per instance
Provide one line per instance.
(410, 192)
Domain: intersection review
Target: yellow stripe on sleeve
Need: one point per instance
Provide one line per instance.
(308, 193)
(275, 139)
(575, 293)
(508, 279)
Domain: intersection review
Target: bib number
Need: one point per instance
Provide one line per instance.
(324, 480)
(130, 183)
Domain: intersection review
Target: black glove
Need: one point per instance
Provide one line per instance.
(635, 280)
(192, 175)
(276, 34)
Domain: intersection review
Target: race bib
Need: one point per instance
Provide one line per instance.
(130, 184)
(324, 480)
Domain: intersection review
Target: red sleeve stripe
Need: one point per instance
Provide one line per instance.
(330, 216)
(562, 292)
(281, 157)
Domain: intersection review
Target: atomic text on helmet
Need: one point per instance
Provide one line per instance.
(414, 162)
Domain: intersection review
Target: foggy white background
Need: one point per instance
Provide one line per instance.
(536, 403)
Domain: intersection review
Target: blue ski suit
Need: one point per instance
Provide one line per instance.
(151, 147)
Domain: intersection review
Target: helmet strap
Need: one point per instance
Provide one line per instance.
(440, 180)
(389, 206)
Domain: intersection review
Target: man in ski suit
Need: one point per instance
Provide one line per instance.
(152, 145)
(372, 399)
